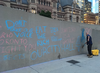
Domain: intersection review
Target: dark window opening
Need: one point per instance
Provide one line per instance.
(54, 4)
(1, 5)
(33, 1)
(70, 17)
(24, 2)
(13, 0)
(44, 2)
(54, 13)
(38, 12)
(39, 1)
(77, 18)
(49, 3)
(18, 1)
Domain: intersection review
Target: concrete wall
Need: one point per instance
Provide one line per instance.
(27, 39)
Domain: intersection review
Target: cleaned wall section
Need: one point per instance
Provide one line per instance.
(27, 39)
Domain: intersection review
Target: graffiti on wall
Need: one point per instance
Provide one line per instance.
(83, 35)
(17, 40)
(17, 26)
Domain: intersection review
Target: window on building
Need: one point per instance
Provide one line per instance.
(44, 2)
(77, 18)
(26, 10)
(59, 16)
(39, 1)
(33, 10)
(54, 4)
(33, 1)
(59, 9)
(74, 5)
(18, 1)
(38, 12)
(87, 11)
(70, 17)
(19, 8)
(62, 16)
(54, 13)
(49, 3)
(24, 2)
(13, 0)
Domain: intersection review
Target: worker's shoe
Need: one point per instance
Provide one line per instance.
(90, 56)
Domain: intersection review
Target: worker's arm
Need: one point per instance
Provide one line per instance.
(88, 38)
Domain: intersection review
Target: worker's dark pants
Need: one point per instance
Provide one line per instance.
(89, 49)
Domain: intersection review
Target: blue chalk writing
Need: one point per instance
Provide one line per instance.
(50, 49)
(5, 57)
(71, 48)
(38, 53)
(83, 37)
(30, 35)
(18, 31)
(8, 25)
(67, 47)
(21, 56)
(17, 35)
(39, 29)
(57, 46)
(63, 47)
(42, 42)
(42, 36)
(34, 52)
(44, 28)
(15, 57)
(20, 23)
(54, 38)
(54, 29)
(45, 50)
(23, 34)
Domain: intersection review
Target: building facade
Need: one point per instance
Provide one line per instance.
(97, 19)
(88, 6)
(33, 6)
(90, 18)
(99, 6)
(85, 6)
(65, 13)
(80, 3)
(69, 12)
(99, 12)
